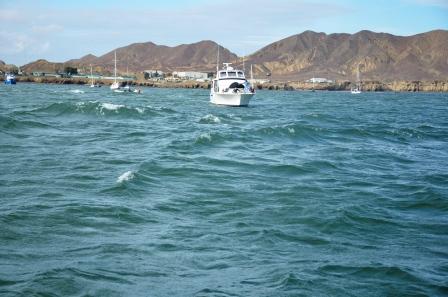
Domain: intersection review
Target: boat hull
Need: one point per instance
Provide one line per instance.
(115, 86)
(231, 99)
(10, 82)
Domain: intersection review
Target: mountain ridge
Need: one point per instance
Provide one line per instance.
(378, 56)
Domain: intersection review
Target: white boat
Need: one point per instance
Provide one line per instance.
(357, 88)
(92, 83)
(115, 85)
(230, 87)
(10, 79)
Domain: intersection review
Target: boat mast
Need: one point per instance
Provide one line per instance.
(358, 80)
(91, 73)
(115, 67)
(251, 76)
(127, 67)
(217, 63)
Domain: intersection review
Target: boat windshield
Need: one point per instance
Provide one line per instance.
(232, 74)
(240, 74)
(223, 74)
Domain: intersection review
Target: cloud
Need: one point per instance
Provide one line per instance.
(46, 29)
(10, 15)
(14, 43)
(438, 3)
(66, 30)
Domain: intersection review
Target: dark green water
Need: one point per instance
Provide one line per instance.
(164, 194)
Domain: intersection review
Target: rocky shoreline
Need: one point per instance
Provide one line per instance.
(368, 86)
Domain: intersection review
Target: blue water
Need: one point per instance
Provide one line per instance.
(164, 194)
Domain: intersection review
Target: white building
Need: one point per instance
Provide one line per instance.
(191, 75)
(259, 81)
(153, 74)
(319, 80)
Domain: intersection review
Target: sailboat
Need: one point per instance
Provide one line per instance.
(92, 83)
(357, 88)
(115, 85)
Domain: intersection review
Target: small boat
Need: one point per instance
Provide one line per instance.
(127, 89)
(115, 85)
(10, 79)
(230, 87)
(357, 88)
(93, 84)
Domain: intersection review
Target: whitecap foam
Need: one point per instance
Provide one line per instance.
(210, 119)
(77, 91)
(205, 136)
(140, 110)
(110, 106)
(234, 117)
(291, 130)
(128, 175)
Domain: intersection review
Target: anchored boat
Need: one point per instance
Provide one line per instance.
(115, 85)
(10, 79)
(92, 83)
(357, 88)
(230, 87)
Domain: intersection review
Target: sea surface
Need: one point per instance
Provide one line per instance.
(164, 194)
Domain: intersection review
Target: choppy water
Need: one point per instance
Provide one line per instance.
(163, 194)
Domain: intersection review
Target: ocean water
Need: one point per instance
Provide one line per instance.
(164, 194)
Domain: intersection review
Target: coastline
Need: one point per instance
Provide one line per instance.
(367, 86)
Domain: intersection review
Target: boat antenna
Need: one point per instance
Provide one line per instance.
(244, 67)
(357, 75)
(217, 60)
(115, 68)
(251, 75)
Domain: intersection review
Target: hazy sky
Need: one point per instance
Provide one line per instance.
(62, 30)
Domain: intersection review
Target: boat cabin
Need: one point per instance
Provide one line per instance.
(230, 73)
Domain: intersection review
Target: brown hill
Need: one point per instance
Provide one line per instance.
(137, 57)
(200, 56)
(379, 56)
(43, 66)
(5, 68)
(86, 60)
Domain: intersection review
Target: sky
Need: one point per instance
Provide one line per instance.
(61, 30)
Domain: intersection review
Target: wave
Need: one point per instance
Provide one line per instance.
(210, 119)
(77, 91)
(110, 106)
(127, 176)
(97, 108)
(204, 137)
(295, 130)
(8, 123)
